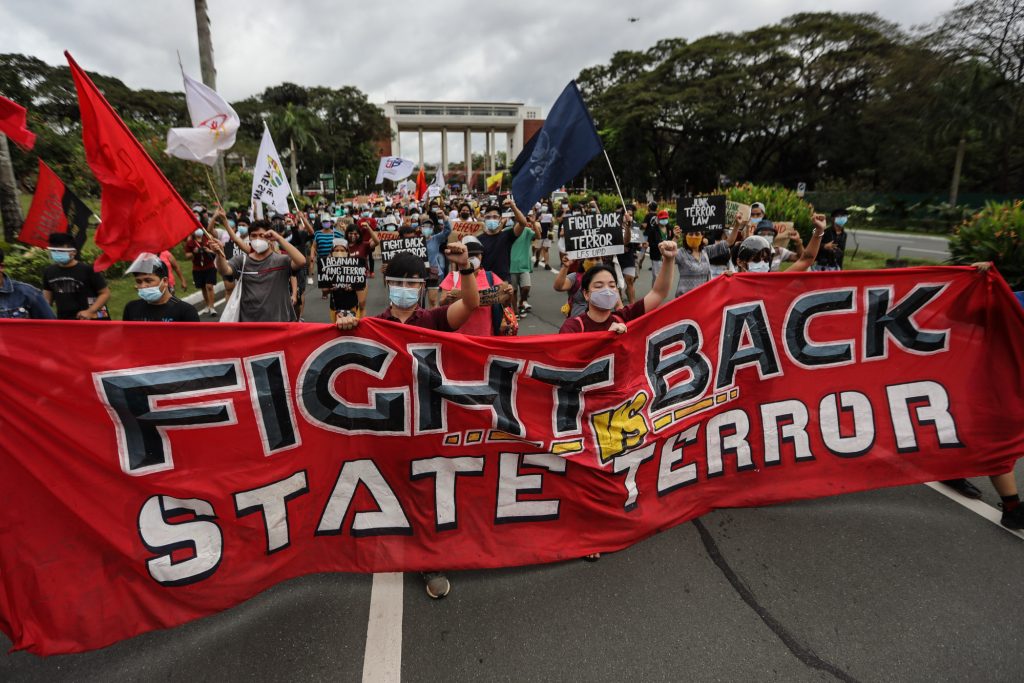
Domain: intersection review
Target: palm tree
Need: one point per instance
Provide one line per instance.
(299, 125)
(10, 208)
(209, 72)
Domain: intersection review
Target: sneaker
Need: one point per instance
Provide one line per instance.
(309, 280)
(1014, 519)
(526, 306)
(547, 267)
(213, 312)
(437, 584)
(964, 488)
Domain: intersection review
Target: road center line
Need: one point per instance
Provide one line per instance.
(382, 659)
(976, 506)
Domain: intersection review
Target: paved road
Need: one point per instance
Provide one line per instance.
(910, 244)
(897, 584)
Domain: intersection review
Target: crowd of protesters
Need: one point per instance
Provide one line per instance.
(475, 282)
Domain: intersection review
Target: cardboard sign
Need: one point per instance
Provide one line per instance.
(705, 214)
(388, 248)
(732, 207)
(592, 235)
(347, 270)
(462, 228)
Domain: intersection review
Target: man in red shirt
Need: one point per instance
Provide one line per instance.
(604, 311)
(406, 281)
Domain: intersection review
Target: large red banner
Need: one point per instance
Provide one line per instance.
(160, 473)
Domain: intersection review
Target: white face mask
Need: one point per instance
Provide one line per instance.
(475, 262)
(759, 267)
(259, 245)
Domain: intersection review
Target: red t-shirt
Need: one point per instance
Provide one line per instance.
(203, 257)
(584, 323)
(430, 318)
(480, 323)
(359, 249)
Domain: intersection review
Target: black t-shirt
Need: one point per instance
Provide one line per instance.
(300, 239)
(74, 288)
(171, 311)
(497, 256)
(655, 235)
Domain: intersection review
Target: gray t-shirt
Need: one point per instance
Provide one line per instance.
(266, 292)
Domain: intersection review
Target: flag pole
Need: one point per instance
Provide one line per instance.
(209, 179)
(620, 279)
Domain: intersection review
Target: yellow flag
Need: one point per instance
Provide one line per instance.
(494, 181)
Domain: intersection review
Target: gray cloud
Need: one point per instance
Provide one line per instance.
(520, 51)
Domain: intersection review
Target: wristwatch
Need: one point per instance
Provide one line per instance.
(467, 271)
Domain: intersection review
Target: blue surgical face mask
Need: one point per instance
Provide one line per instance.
(243, 231)
(756, 219)
(61, 258)
(231, 223)
(663, 221)
(150, 294)
(491, 224)
(840, 221)
(404, 297)
(427, 232)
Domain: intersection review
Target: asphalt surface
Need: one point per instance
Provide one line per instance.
(898, 584)
(905, 244)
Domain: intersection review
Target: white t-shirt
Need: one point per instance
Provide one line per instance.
(779, 255)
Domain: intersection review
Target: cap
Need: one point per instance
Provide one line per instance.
(339, 242)
(61, 240)
(146, 263)
(757, 205)
(662, 214)
(765, 226)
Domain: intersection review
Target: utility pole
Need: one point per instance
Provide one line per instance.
(209, 73)
(10, 207)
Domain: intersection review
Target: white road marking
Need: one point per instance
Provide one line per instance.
(382, 659)
(976, 506)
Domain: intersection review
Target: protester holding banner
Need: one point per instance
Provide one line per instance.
(602, 295)
(156, 302)
(755, 253)
(344, 298)
(568, 280)
(362, 248)
(20, 300)
(78, 291)
(263, 275)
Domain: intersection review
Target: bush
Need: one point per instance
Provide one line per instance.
(26, 264)
(993, 234)
(780, 204)
(608, 203)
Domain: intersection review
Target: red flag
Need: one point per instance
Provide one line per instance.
(54, 209)
(13, 124)
(421, 184)
(141, 211)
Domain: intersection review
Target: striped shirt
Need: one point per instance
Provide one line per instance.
(324, 242)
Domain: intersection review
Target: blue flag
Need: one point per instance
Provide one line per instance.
(564, 145)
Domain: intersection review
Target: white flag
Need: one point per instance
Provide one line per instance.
(434, 189)
(393, 168)
(214, 124)
(269, 184)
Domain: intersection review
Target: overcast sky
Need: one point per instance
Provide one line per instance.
(497, 50)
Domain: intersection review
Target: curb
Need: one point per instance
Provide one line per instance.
(197, 297)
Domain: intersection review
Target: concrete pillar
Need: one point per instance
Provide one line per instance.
(421, 146)
(508, 150)
(490, 150)
(396, 145)
(444, 151)
(468, 147)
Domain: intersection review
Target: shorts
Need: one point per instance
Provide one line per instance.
(201, 278)
(545, 231)
(629, 271)
(520, 279)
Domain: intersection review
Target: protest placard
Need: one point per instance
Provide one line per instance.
(345, 270)
(593, 235)
(462, 228)
(388, 248)
(731, 209)
(706, 214)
